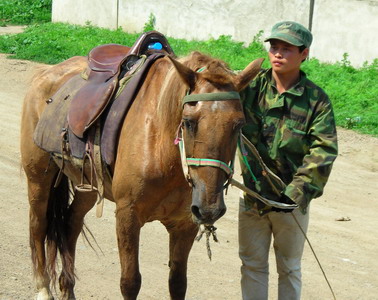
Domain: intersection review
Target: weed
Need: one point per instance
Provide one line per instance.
(150, 25)
(25, 12)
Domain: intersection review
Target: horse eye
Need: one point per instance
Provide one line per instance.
(189, 124)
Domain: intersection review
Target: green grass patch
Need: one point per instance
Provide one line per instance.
(52, 43)
(353, 91)
(24, 12)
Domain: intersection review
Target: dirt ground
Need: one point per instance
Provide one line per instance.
(347, 250)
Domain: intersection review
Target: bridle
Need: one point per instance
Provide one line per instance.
(186, 162)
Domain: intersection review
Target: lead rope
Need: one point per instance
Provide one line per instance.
(316, 257)
(209, 230)
(254, 151)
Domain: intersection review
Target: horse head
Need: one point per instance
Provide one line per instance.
(211, 119)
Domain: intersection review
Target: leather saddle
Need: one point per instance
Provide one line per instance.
(107, 64)
(88, 98)
(65, 127)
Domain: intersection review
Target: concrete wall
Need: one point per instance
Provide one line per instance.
(339, 26)
(102, 13)
(345, 26)
(203, 19)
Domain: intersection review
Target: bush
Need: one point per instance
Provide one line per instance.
(353, 92)
(24, 12)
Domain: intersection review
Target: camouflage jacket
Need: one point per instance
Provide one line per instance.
(295, 135)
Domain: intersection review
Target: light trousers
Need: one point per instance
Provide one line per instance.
(255, 236)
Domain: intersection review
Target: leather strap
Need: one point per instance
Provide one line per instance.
(211, 97)
(99, 171)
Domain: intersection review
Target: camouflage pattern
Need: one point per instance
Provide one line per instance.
(292, 33)
(295, 135)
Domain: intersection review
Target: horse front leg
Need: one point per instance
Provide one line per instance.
(181, 237)
(79, 207)
(128, 234)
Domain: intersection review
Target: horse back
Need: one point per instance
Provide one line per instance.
(47, 80)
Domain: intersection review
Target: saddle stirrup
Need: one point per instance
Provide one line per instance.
(86, 187)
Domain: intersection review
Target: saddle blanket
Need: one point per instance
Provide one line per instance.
(53, 126)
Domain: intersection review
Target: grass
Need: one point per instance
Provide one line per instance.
(24, 12)
(353, 91)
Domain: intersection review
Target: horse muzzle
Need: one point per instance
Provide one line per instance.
(207, 207)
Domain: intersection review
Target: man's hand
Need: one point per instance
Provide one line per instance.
(284, 199)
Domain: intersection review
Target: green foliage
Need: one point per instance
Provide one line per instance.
(24, 12)
(150, 25)
(52, 43)
(353, 92)
(234, 53)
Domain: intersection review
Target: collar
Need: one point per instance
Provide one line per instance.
(296, 90)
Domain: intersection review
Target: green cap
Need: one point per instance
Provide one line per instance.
(292, 33)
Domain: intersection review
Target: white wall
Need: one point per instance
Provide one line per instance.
(339, 26)
(203, 19)
(345, 26)
(102, 13)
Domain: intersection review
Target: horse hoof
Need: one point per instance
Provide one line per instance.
(44, 294)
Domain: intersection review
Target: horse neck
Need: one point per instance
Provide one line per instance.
(169, 107)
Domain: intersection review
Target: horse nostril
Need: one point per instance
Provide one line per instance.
(196, 212)
(207, 216)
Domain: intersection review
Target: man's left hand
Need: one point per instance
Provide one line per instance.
(284, 199)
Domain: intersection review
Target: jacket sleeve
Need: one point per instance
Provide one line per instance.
(311, 177)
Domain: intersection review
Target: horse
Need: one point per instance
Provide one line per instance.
(148, 182)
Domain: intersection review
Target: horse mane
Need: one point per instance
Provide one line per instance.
(173, 90)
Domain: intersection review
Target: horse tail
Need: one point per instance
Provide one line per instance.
(57, 227)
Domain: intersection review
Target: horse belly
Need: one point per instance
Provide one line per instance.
(72, 169)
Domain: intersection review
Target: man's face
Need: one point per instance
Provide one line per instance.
(284, 57)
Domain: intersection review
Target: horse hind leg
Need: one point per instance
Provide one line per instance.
(81, 204)
(181, 238)
(54, 226)
(38, 226)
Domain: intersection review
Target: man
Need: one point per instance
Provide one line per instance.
(291, 123)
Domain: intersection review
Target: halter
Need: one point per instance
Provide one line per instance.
(204, 162)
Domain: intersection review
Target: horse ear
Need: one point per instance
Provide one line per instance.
(186, 74)
(246, 76)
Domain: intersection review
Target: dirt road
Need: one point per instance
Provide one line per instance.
(347, 249)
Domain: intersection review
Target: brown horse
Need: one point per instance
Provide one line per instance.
(148, 182)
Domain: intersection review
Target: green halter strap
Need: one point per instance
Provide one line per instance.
(211, 97)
